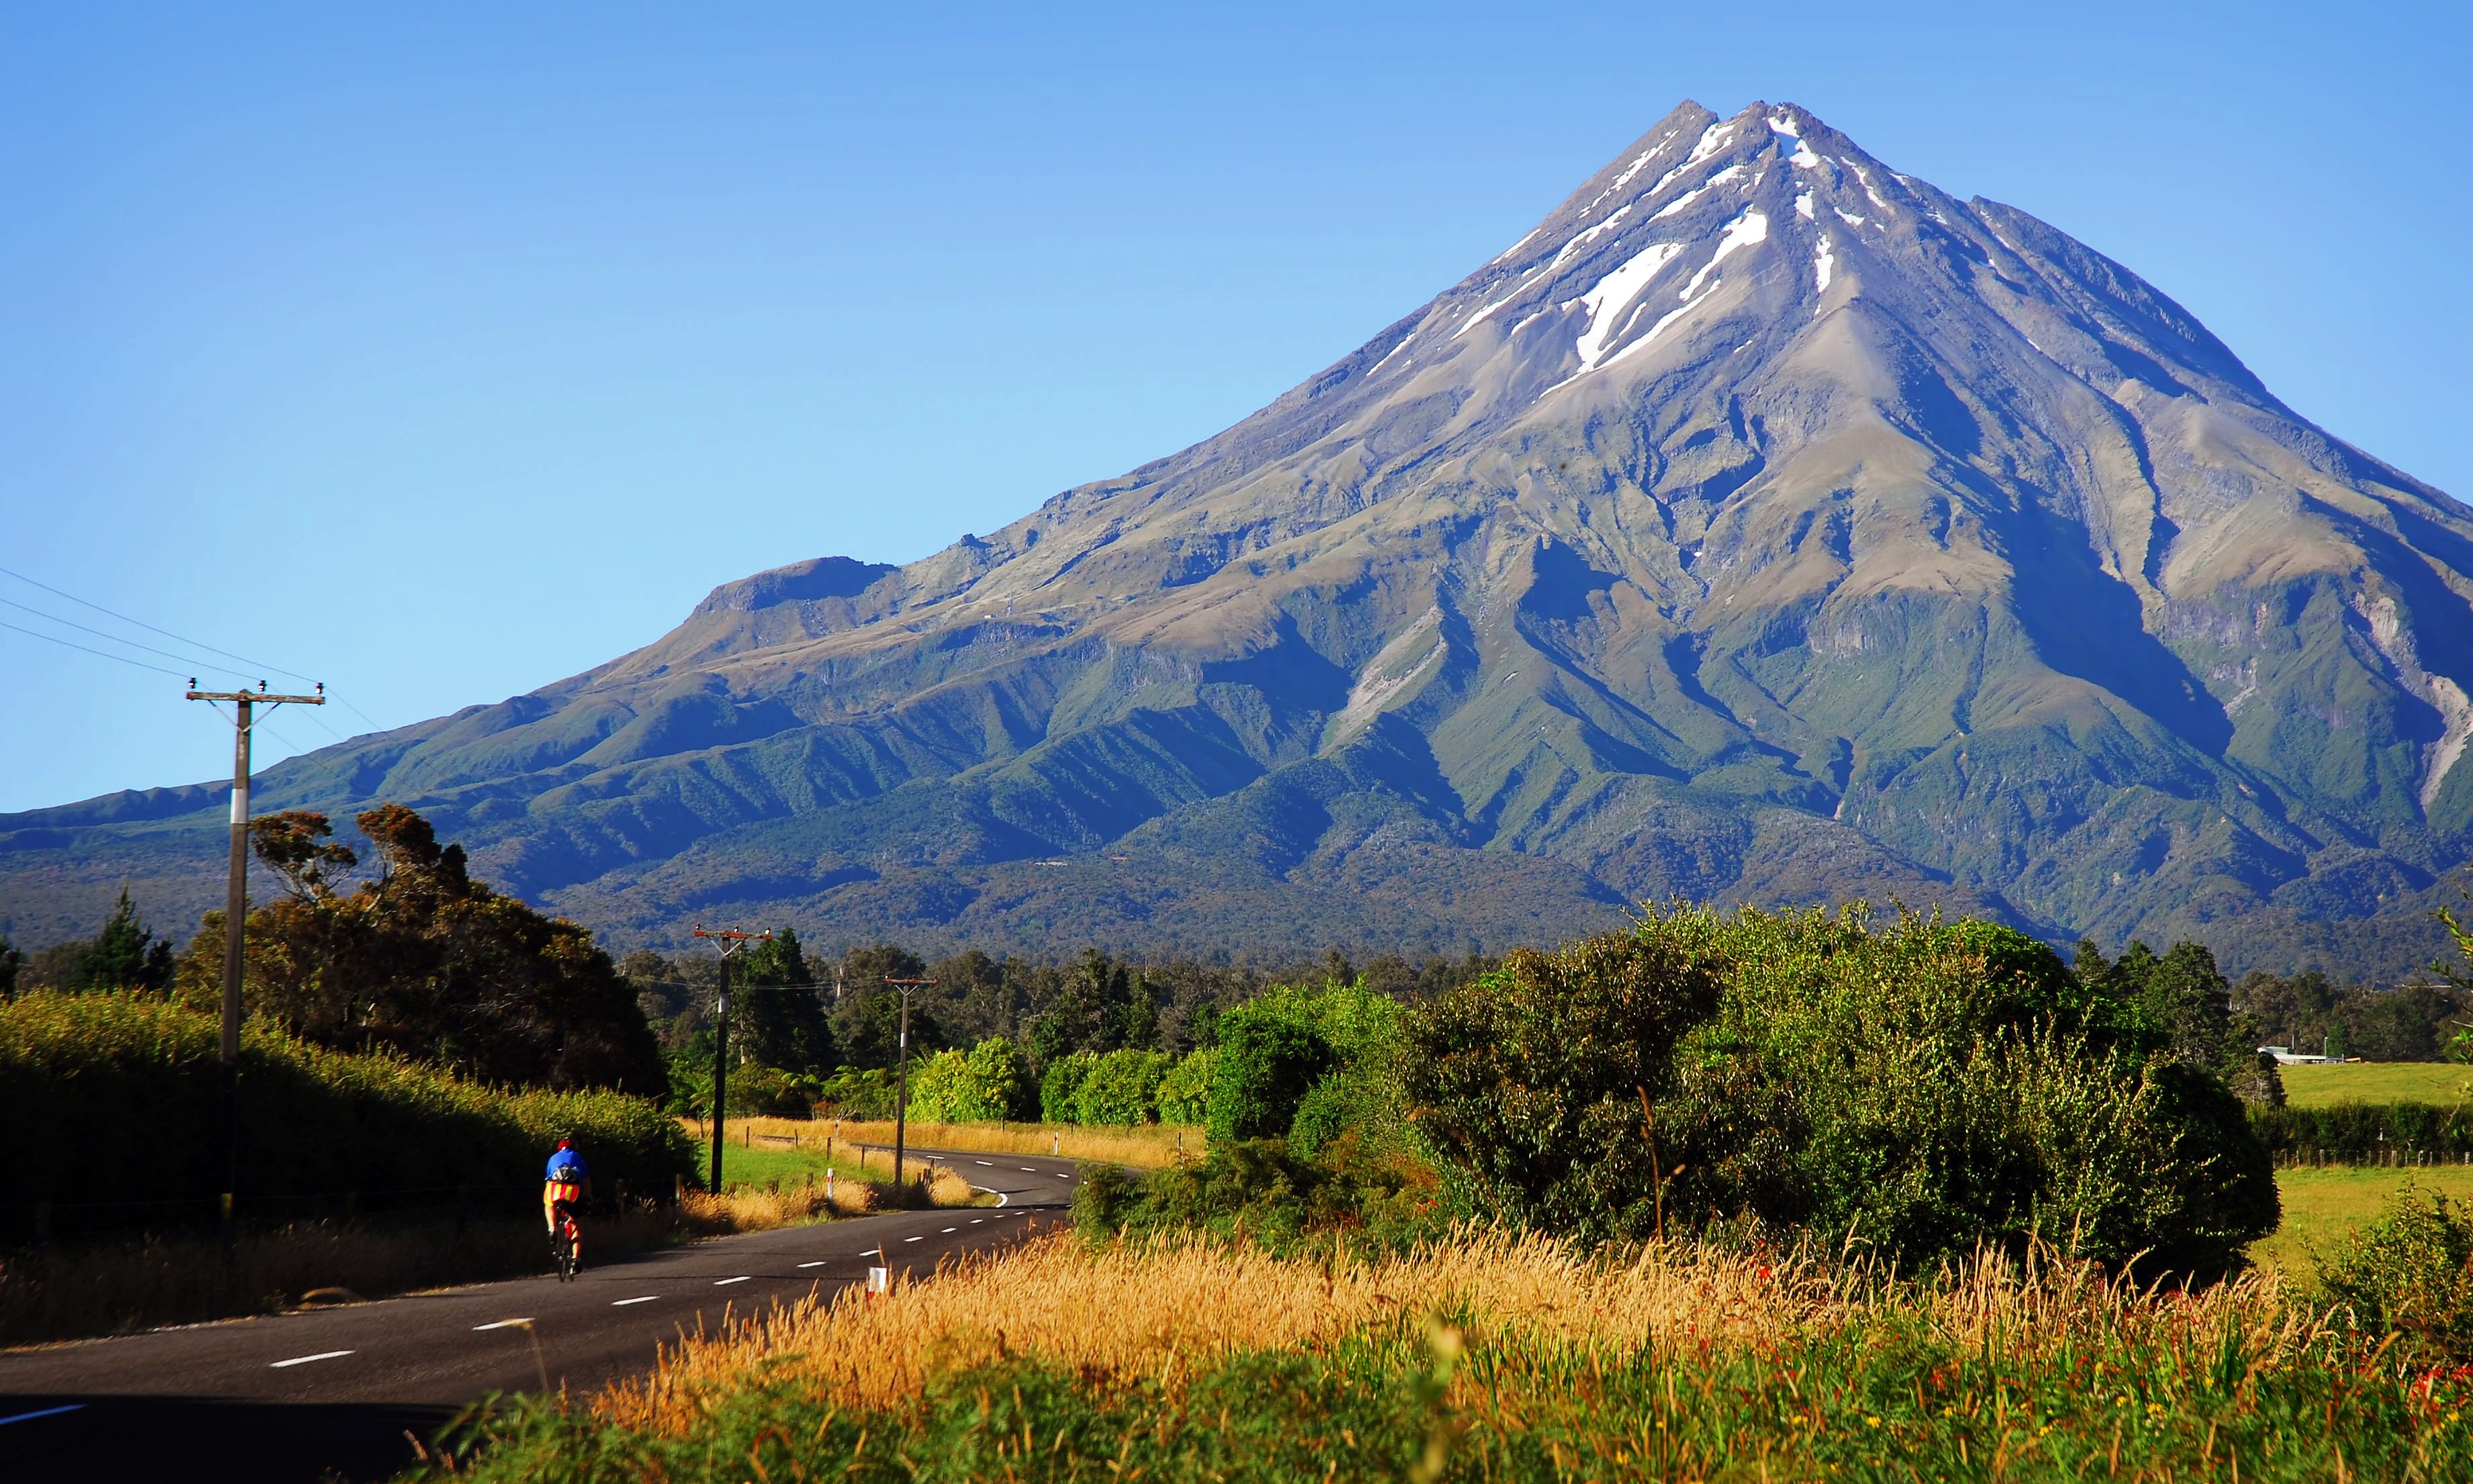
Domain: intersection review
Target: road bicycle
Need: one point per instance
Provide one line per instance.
(565, 1236)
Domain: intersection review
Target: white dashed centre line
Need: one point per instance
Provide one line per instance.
(977, 1220)
(949, 1231)
(819, 1263)
(724, 1283)
(1025, 1169)
(623, 1303)
(49, 1411)
(988, 1163)
(503, 1323)
(303, 1360)
(913, 1238)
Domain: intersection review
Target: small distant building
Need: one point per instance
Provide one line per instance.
(2286, 1056)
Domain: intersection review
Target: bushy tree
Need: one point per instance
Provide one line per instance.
(1059, 1085)
(1531, 1082)
(1184, 1094)
(1271, 1052)
(1122, 1088)
(1922, 1088)
(1102, 1006)
(866, 1028)
(988, 1083)
(125, 955)
(778, 1015)
(11, 961)
(2182, 1001)
(426, 960)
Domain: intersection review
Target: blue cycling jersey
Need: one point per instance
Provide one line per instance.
(567, 1164)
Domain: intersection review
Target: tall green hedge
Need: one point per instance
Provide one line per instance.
(2367, 1132)
(110, 1103)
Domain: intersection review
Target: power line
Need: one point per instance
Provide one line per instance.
(117, 639)
(261, 665)
(66, 644)
(273, 669)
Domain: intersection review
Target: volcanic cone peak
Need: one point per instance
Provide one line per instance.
(1764, 524)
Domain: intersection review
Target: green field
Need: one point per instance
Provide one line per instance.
(764, 1165)
(2377, 1082)
(760, 1164)
(2321, 1206)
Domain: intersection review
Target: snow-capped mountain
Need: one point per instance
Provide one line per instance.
(1766, 524)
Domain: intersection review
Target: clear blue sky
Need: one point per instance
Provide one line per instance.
(441, 353)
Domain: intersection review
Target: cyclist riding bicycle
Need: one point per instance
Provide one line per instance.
(566, 1184)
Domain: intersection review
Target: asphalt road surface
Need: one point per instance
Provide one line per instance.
(342, 1392)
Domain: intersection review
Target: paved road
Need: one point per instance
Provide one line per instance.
(295, 1396)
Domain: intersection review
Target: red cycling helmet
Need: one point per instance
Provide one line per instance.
(567, 1143)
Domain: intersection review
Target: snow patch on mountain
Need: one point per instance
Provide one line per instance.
(1616, 290)
(1752, 227)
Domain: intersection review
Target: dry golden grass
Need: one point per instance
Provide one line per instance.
(1170, 1307)
(1148, 1145)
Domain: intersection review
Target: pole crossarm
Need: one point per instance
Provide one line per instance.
(259, 697)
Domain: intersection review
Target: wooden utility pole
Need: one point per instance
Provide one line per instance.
(901, 1095)
(236, 918)
(730, 940)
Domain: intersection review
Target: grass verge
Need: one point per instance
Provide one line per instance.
(1499, 1357)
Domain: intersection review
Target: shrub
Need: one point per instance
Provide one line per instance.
(1061, 1085)
(988, 1084)
(124, 1089)
(1920, 1088)
(1270, 1053)
(1529, 1082)
(1262, 1191)
(1184, 1094)
(756, 1088)
(2409, 1273)
(1123, 1086)
(859, 1093)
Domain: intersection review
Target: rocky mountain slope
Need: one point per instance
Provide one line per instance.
(1764, 525)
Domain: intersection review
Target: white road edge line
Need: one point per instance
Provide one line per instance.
(724, 1283)
(623, 1303)
(303, 1360)
(503, 1323)
(49, 1411)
